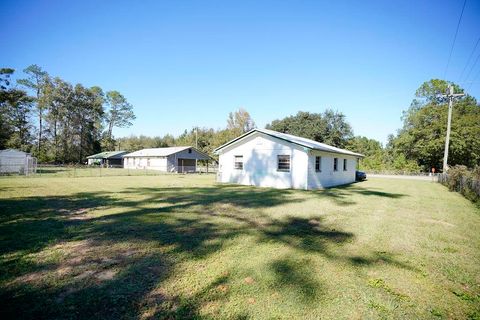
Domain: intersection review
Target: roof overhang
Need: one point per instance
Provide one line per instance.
(308, 148)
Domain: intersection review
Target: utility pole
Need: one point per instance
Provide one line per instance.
(196, 137)
(450, 95)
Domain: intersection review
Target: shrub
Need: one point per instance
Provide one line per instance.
(464, 181)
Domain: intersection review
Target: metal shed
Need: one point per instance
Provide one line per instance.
(17, 162)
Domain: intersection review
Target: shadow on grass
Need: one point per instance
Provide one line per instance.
(296, 277)
(342, 195)
(97, 279)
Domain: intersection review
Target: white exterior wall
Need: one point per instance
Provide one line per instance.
(260, 153)
(155, 163)
(327, 177)
(167, 164)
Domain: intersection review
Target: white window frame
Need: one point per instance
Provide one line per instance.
(345, 165)
(318, 161)
(289, 162)
(335, 164)
(235, 162)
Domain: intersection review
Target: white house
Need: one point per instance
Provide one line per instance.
(15, 161)
(170, 159)
(268, 158)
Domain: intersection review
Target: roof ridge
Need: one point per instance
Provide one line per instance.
(305, 142)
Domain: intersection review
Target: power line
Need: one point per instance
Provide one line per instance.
(473, 67)
(454, 39)
(473, 80)
(469, 59)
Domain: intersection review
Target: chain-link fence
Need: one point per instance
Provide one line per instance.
(77, 171)
(24, 166)
(463, 184)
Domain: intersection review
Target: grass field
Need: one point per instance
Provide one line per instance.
(181, 246)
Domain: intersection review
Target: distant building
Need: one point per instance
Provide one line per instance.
(171, 159)
(107, 158)
(17, 162)
(268, 158)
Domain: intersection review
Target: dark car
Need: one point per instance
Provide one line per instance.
(360, 176)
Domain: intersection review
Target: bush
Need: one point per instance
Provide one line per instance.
(464, 181)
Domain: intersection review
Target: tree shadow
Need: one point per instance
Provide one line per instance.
(106, 272)
(296, 276)
(342, 195)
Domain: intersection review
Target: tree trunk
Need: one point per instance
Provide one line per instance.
(40, 115)
(81, 140)
(55, 139)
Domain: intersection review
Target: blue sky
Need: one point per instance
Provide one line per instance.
(189, 63)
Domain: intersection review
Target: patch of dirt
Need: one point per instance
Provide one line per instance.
(106, 274)
(222, 288)
(249, 280)
(251, 300)
(84, 275)
(34, 277)
(64, 270)
(210, 307)
(75, 247)
(75, 214)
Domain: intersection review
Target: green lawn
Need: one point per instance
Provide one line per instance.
(181, 246)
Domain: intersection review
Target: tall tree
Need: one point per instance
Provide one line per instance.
(119, 114)
(371, 149)
(5, 112)
(239, 122)
(36, 80)
(329, 127)
(86, 114)
(19, 109)
(422, 137)
(60, 102)
(15, 108)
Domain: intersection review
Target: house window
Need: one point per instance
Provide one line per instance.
(318, 164)
(283, 163)
(335, 164)
(148, 162)
(190, 150)
(238, 163)
(344, 164)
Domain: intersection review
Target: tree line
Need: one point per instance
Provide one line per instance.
(60, 122)
(55, 120)
(416, 147)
